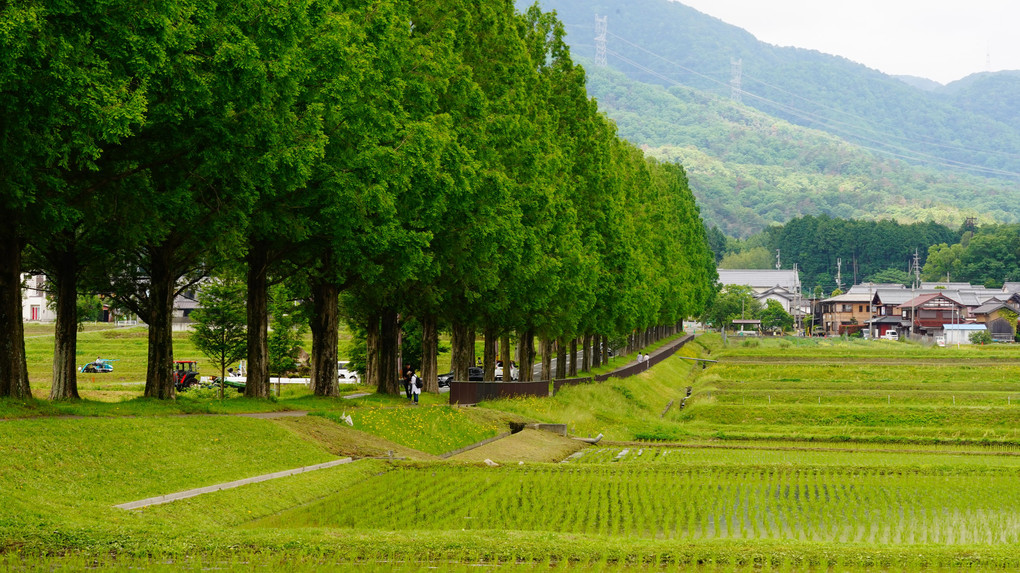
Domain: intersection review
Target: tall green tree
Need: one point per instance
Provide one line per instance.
(220, 330)
(74, 82)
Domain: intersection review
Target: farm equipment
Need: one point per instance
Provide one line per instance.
(100, 366)
(185, 374)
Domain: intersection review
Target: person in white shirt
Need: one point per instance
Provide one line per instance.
(415, 386)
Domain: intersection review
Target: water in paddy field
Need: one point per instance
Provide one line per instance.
(671, 500)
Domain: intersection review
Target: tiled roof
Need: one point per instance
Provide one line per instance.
(760, 278)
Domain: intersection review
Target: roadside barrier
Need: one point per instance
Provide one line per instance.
(467, 393)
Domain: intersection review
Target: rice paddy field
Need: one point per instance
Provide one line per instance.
(786, 455)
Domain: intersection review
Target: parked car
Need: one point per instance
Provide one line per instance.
(445, 379)
(474, 375)
(514, 371)
(344, 375)
(891, 335)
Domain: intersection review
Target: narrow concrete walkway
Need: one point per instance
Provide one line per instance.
(229, 485)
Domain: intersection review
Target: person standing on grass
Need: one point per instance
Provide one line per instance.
(408, 373)
(416, 385)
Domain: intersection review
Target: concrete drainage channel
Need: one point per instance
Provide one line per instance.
(229, 485)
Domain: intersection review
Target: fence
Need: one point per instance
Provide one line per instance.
(474, 392)
(465, 393)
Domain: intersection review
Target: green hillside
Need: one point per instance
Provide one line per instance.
(814, 134)
(749, 170)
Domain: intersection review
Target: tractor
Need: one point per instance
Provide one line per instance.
(185, 374)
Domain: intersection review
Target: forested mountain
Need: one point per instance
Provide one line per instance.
(668, 86)
(750, 170)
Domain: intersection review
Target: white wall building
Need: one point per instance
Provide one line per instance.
(34, 307)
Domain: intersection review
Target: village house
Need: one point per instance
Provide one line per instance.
(782, 286)
(846, 313)
(927, 313)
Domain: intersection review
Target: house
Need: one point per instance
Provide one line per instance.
(999, 317)
(34, 306)
(782, 286)
(846, 313)
(927, 313)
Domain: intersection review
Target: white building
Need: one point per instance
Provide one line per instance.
(34, 305)
(782, 286)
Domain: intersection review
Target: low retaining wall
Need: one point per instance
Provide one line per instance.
(475, 392)
(466, 393)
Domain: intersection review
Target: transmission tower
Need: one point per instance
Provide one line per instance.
(736, 71)
(779, 265)
(601, 27)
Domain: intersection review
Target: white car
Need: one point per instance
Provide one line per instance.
(890, 335)
(345, 376)
(514, 371)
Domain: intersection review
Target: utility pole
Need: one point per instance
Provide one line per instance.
(736, 71)
(839, 274)
(779, 265)
(601, 28)
(915, 269)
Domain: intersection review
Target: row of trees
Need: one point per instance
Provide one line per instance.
(876, 251)
(439, 160)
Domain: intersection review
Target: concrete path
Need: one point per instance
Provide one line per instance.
(229, 485)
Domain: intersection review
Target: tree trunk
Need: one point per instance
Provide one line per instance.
(389, 370)
(65, 372)
(257, 370)
(527, 353)
(372, 353)
(159, 381)
(505, 355)
(489, 354)
(459, 356)
(13, 367)
(596, 352)
(561, 358)
(605, 350)
(572, 369)
(429, 350)
(586, 353)
(547, 351)
(325, 334)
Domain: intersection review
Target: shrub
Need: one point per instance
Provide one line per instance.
(980, 337)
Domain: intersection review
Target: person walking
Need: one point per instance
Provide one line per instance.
(416, 385)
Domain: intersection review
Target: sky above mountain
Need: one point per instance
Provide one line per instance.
(940, 40)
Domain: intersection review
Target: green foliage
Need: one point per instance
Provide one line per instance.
(980, 337)
(890, 276)
(220, 330)
(774, 317)
(752, 168)
(90, 309)
(755, 258)
(287, 326)
(733, 302)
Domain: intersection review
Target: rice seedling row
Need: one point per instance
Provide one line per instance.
(825, 504)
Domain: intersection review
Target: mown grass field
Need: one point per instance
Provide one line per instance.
(788, 455)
